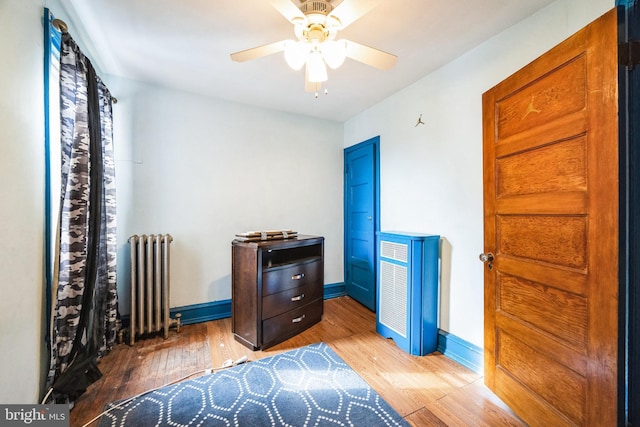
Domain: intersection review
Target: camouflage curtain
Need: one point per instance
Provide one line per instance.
(85, 304)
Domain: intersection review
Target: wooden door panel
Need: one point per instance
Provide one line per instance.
(543, 412)
(554, 239)
(559, 166)
(521, 362)
(557, 312)
(551, 209)
(544, 343)
(549, 97)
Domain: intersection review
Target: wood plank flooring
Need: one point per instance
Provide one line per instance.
(430, 390)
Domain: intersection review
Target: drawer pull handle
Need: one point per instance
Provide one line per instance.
(297, 276)
(298, 319)
(298, 298)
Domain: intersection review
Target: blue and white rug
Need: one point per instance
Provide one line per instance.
(309, 386)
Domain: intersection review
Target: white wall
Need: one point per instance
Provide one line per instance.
(21, 201)
(431, 175)
(203, 170)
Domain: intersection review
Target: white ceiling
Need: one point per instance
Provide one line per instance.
(185, 44)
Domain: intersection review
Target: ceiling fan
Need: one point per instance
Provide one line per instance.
(316, 24)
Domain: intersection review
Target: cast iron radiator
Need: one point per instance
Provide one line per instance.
(150, 260)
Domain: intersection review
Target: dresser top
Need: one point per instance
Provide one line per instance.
(299, 240)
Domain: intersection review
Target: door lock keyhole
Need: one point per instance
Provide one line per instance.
(487, 259)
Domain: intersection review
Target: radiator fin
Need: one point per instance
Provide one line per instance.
(393, 297)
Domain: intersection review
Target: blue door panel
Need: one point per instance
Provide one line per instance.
(361, 225)
(360, 250)
(361, 198)
(360, 281)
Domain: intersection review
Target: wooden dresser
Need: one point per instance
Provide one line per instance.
(277, 289)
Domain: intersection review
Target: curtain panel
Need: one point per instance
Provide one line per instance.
(84, 315)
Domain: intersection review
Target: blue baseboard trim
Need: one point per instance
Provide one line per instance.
(198, 313)
(204, 312)
(468, 355)
(334, 290)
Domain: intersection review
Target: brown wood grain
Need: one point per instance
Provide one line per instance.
(557, 93)
(560, 240)
(550, 159)
(557, 167)
(262, 273)
(557, 312)
(427, 390)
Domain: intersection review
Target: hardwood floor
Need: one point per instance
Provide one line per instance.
(430, 390)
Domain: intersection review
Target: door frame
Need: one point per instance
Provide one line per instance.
(375, 142)
(629, 154)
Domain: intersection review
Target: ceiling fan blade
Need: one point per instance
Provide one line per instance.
(259, 52)
(370, 56)
(288, 9)
(350, 10)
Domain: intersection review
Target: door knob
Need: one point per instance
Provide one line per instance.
(486, 257)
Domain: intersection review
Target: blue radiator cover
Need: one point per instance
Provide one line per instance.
(407, 310)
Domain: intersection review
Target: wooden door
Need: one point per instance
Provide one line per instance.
(551, 224)
(361, 221)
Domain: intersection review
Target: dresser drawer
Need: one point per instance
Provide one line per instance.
(287, 277)
(286, 325)
(280, 302)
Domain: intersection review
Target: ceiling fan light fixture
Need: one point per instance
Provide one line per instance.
(295, 53)
(316, 69)
(334, 53)
(316, 25)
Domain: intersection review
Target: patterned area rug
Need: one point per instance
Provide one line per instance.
(309, 386)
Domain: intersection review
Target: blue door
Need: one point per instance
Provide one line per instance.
(361, 220)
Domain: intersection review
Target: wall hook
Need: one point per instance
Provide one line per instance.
(419, 122)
